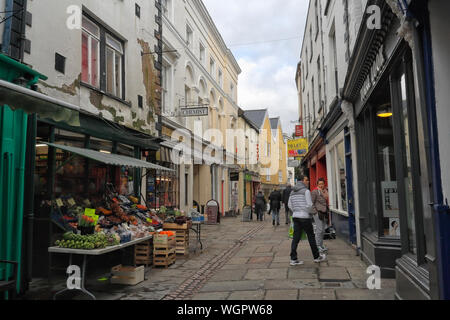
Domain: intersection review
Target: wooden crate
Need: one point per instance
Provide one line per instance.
(175, 226)
(164, 241)
(164, 260)
(158, 252)
(143, 253)
(127, 275)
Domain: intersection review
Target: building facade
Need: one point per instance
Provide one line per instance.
(198, 71)
(100, 93)
(390, 89)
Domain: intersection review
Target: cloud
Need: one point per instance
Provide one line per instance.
(259, 33)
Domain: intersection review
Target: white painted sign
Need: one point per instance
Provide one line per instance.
(194, 112)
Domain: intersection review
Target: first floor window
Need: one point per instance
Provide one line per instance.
(92, 43)
(114, 54)
(280, 176)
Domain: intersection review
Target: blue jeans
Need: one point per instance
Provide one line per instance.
(276, 215)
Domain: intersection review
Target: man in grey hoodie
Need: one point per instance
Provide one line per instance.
(302, 207)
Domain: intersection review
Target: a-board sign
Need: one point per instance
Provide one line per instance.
(212, 212)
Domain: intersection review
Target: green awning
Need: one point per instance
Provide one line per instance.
(111, 159)
(17, 97)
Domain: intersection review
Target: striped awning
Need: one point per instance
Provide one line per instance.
(111, 159)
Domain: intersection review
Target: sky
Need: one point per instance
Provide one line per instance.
(265, 38)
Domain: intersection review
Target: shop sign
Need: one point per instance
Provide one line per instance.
(248, 177)
(374, 73)
(293, 163)
(299, 131)
(234, 176)
(297, 148)
(194, 112)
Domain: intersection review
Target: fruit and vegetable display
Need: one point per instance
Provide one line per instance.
(88, 242)
(112, 218)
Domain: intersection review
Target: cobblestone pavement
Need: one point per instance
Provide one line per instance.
(246, 261)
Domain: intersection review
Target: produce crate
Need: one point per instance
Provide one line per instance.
(127, 275)
(163, 240)
(164, 260)
(182, 241)
(143, 253)
(175, 226)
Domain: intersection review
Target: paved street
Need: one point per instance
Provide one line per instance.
(248, 260)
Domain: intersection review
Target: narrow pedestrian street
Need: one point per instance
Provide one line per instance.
(245, 261)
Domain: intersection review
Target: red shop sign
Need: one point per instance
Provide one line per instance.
(299, 131)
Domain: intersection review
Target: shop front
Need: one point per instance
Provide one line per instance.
(316, 162)
(385, 86)
(96, 168)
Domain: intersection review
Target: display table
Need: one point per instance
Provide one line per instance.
(86, 253)
(196, 227)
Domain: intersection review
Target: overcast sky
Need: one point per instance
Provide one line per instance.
(256, 32)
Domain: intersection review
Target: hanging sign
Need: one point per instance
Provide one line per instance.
(297, 148)
(194, 112)
(299, 131)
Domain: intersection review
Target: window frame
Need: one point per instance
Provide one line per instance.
(103, 46)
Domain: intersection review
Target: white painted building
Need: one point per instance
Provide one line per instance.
(199, 71)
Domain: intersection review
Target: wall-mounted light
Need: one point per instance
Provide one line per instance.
(385, 111)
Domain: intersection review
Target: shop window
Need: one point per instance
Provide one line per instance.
(162, 187)
(341, 176)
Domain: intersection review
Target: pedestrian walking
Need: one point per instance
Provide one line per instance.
(275, 205)
(286, 195)
(302, 208)
(260, 205)
(319, 198)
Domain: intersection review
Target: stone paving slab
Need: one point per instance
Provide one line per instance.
(238, 260)
(266, 274)
(365, 294)
(357, 273)
(317, 294)
(264, 249)
(232, 275)
(291, 284)
(259, 260)
(211, 296)
(244, 285)
(302, 273)
(247, 295)
(246, 266)
(281, 295)
(333, 274)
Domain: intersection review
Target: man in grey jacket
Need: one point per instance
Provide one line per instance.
(302, 207)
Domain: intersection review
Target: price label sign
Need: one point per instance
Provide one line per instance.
(59, 203)
(91, 213)
(71, 202)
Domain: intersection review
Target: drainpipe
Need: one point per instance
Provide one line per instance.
(9, 7)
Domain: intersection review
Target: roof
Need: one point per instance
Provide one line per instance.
(274, 123)
(256, 116)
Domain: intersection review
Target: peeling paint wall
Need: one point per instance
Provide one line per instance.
(141, 78)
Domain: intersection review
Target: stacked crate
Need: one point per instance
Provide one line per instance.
(164, 250)
(182, 236)
(143, 253)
